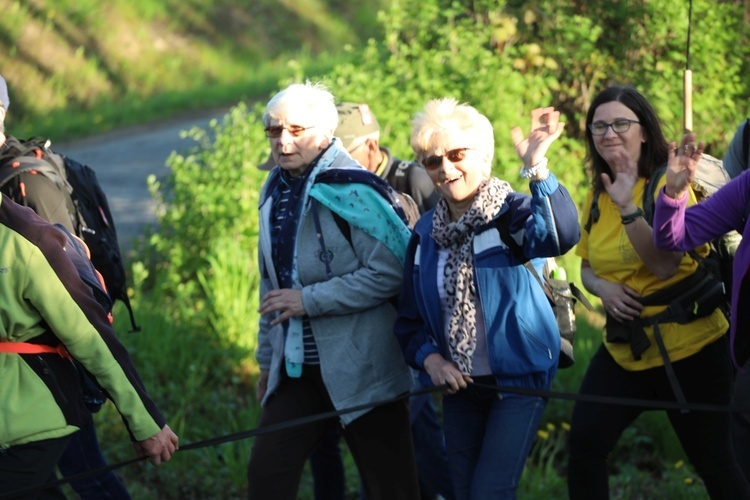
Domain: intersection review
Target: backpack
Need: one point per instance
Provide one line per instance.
(399, 178)
(561, 294)
(93, 395)
(85, 199)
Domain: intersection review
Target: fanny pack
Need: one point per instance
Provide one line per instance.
(692, 298)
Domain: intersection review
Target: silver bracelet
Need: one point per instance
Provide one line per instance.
(539, 171)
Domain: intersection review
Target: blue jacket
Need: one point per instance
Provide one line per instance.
(523, 341)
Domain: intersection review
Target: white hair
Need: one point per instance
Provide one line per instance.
(311, 95)
(441, 118)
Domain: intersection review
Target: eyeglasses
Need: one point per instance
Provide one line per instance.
(454, 156)
(618, 126)
(294, 131)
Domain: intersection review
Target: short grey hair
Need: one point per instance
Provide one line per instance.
(442, 117)
(312, 95)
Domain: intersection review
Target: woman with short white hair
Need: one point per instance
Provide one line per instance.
(471, 315)
(331, 247)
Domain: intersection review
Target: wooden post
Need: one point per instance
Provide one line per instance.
(688, 111)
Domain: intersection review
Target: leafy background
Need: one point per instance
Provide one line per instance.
(84, 66)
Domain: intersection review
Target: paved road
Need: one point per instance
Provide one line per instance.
(124, 159)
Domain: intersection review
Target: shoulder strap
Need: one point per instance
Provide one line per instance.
(26, 164)
(343, 226)
(649, 193)
(502, 223)
(593, 212)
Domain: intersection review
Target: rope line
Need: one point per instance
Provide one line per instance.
(543, 393)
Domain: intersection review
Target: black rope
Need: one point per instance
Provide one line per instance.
(543, 393)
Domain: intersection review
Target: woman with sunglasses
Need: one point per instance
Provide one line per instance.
(471, 315)
(648, 353)
(331, 247)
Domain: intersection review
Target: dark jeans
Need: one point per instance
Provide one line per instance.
(488, 437)
(32, 464)
(429, 447)
(82, 455)
(741, 421)
(380, 443)
(705, 377)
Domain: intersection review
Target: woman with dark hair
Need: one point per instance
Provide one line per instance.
(649, 352)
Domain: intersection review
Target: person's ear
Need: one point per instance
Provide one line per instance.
(373, 145)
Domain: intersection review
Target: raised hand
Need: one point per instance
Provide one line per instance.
(683, 162)
(625, 170)
(545, 129)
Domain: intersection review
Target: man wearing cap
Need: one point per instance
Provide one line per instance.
(43, 420)
(359, 132)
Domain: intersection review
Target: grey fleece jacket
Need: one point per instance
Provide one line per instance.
(350, 315)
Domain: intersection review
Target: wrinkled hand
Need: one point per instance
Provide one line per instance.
(626, 175)
(683, 162)
(286, 301)
(159, 447)
(620, 301)
(443, 372)
(262, 385)
(545, 129)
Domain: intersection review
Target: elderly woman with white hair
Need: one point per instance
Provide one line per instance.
(331, 246)
(471, 315)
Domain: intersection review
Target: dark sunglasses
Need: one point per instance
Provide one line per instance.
(294, 131)
(454, 156)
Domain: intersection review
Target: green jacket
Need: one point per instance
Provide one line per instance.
(43, 300)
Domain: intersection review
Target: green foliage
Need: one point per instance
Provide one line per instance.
(210, 195)
(77, 67)
(505, 58)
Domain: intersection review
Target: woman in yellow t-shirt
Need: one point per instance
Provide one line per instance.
(621, 265)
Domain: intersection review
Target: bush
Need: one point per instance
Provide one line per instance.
(504, 58)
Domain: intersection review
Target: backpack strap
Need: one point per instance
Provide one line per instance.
(341, 223)
(502, 223)
(649, 193)
(22, 164)
(28, 348)
(593, 211)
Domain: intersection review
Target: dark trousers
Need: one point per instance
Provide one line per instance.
(82, 455)
(705, 377)
(30, 465)
(379, 441)
(433, 468)
(741, 421)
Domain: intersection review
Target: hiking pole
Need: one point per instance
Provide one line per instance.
(688, 79)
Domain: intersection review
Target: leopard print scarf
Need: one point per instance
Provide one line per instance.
(458, 275)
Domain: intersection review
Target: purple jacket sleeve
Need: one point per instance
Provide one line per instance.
(679, 228)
